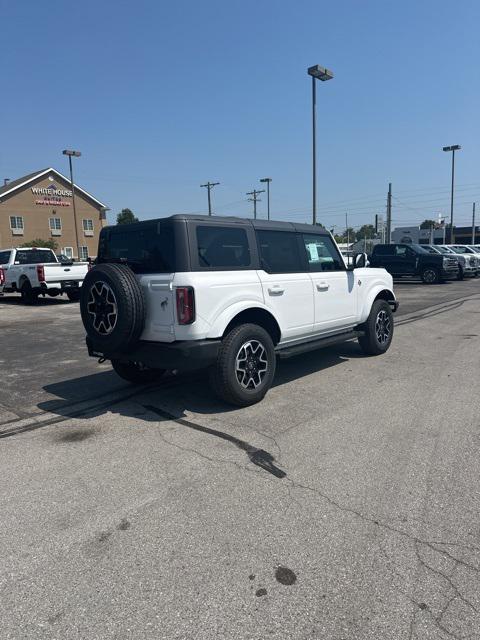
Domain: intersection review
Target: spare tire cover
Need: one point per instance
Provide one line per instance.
(113, 307)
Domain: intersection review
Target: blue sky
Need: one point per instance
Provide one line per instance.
(161, 97)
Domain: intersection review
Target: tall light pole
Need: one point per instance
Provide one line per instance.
(75, 154)
(452, 148)
(267, 180)
(209, 187)
(318, 73)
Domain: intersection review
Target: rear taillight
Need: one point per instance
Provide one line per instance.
(2, 276)
(185, 305)
(40, 273)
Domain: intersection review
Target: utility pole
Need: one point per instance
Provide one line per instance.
(473, 224)
(255, 199)
(389, 214)
(347, 231)
(209, 187)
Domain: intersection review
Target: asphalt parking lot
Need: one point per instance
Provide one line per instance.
(345, 506)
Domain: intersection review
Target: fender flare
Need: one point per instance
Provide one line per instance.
(372, 295)
(217, 329)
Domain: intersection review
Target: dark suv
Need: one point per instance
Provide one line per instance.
(413, 260)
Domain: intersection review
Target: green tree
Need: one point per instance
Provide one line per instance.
(366, 231)
(38, 242)
(428, 224)
(126, 216)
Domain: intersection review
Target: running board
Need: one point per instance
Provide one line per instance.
(288, 352)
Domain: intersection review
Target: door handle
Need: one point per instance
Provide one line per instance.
(276, 291)
(323, 286)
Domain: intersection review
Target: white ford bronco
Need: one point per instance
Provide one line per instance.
(230, 294)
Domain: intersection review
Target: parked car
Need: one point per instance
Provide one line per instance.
(465, 250)
(413, 260)
(467, 266)
(36, 271)
(230, 294)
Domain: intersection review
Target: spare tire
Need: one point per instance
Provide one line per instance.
(113, 307)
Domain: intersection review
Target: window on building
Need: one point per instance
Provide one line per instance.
(83, 253)
(279, 252)
(68, 251)
(88, 224)
(16, 223)
(55, 224)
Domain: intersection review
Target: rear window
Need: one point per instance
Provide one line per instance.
(4, 257)
(145, 247)
(223, 247)
(34, 256)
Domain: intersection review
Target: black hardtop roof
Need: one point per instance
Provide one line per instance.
(274, 225)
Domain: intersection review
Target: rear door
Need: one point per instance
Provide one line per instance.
(287, 286)
(334, 288)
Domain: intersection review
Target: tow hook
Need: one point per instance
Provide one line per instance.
(101, 360)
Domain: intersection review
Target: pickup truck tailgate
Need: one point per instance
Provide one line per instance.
(62, 272)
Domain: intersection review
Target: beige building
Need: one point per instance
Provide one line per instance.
(40, 206)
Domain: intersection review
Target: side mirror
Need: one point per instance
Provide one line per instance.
(360, 260)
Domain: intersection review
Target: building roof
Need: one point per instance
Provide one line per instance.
(12, 186)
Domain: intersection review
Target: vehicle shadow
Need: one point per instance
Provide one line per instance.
(177, 396)
(16, 300)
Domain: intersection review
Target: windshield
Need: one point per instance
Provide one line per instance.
(457, 249)
(430, 249)
(34, 256)
(418, 248)
(444, 250)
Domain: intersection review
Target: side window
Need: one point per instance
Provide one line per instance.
(4, 257)
(223, 247)
(322, 254)
(279, 252)
(23, 257)
(400, 251)
(384, 250)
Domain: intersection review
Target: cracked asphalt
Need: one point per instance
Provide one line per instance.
(345, 506)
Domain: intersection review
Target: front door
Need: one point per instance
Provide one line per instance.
(334, 288)
(287, 287)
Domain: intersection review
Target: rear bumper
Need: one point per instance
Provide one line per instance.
(184, 355)
(62, 285)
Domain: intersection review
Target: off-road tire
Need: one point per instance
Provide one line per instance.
(370, 343)
(223, 375)
(430, 275)
(29, 296)
(137, 374)
(129, 304)
(74, 296)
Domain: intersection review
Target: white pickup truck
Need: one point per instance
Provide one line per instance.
(36, 271)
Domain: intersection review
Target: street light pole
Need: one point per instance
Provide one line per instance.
(319, 73)
(267, 180)
(76, 154)
(452, 148)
